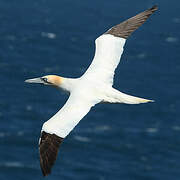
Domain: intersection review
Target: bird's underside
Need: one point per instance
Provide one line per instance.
(93, 87)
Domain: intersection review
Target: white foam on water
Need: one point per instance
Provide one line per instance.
(141, 55)
(12, 164)
(102, 128)
(151, 130)
(176, 20)
(6, 134)
(171, 39)
(48, 35)
(16, 164)
(176, 128)
(2, 134)
(20, 133)
(82, 139)
(28, 107)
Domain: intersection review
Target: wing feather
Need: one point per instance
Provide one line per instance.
(109, 48)
(58, 127)
(68, 116)
(48, 151)
(125, 29)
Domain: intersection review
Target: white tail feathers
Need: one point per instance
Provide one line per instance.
(119, 97)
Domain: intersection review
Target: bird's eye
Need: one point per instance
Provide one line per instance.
(45, 80)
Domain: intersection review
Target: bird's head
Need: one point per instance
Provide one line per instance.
(52, 80)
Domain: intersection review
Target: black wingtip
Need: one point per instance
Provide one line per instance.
(45, 173)
(154, 8)
(126, 28)
(48, 150)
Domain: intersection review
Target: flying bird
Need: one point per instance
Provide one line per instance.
(93, 87)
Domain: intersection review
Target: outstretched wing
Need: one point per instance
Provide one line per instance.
(58, 127)
(109, 47)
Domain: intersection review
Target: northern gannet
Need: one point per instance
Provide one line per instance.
(93, 87)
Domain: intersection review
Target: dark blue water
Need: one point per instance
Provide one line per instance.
(114, 141)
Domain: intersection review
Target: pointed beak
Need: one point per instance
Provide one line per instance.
(34, 80)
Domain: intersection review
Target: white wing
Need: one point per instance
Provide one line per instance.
(68, 116)
(109, 48)
(107, 56)
(58, 127)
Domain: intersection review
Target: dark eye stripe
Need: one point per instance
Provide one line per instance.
(45, 80)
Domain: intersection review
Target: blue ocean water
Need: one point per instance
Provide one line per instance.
(114, 141)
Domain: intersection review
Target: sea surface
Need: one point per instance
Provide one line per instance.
(114, 141)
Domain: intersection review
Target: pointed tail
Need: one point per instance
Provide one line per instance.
(119, 97)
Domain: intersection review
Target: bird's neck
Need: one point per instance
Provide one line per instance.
(68, 84)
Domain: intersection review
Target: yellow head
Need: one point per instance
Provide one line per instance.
(53, 80)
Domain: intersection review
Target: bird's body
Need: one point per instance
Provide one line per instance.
(93, 87)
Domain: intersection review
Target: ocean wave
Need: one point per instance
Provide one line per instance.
(176, 128)
(28, 107)
(82, 139)
(3, 134)
(151, 130)
(141, 55)
(7, 134)
(48, 35)
(12, 164)
(171, 39)
(176, 20)
(102, 128)
(17, 164)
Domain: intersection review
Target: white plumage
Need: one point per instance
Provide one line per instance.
(69, 116)
(93, 87)
(107, 56)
